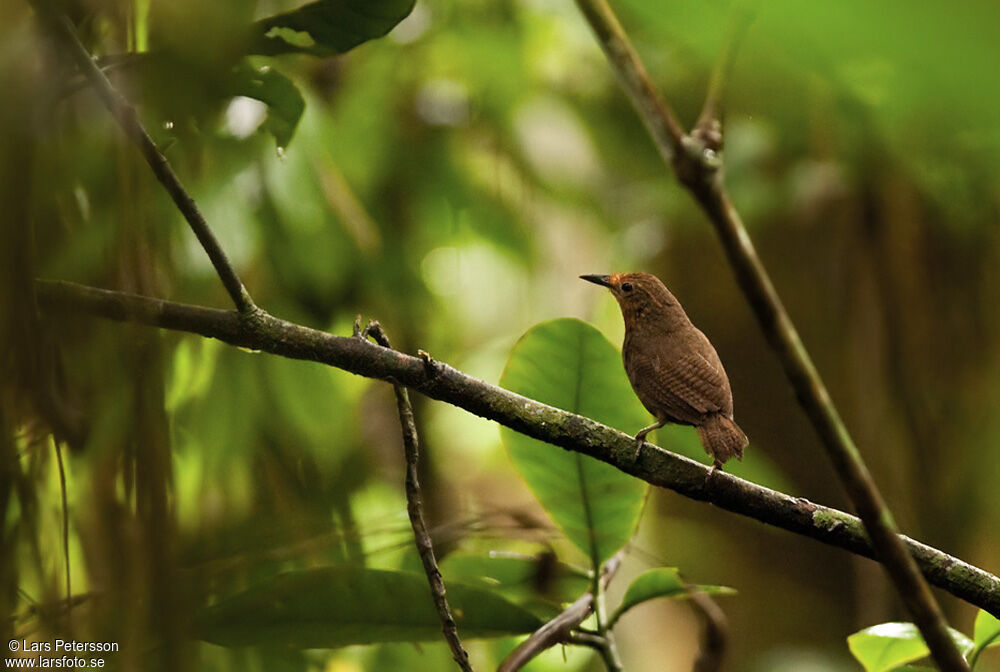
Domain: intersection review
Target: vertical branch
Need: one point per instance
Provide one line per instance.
(128, 120)
(699, 169)
(607, 647)
(609, 654)
(415, 506)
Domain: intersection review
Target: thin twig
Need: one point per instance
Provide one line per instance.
(587, 639)
(415, 506)
(561, 629)
(128, 120)
(554, 632)
(700, 170)
(609, 648)
(713, 646)
(567, 430)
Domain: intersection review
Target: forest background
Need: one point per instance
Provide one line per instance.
(452, 180)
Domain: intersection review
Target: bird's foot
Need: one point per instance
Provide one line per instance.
(716, 466)
(640, 438)
(639, 443)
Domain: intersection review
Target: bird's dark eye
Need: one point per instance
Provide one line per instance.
(626, 286)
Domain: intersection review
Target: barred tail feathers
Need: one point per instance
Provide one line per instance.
(722, 438)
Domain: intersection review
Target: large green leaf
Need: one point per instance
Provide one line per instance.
(888, 646)
(341, 606)
(661, 582)
(327, 27)
(985, 634)
(568, 364)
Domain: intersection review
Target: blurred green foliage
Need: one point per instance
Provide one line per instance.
(452, 180)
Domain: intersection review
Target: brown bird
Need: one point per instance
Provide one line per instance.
(672, 366)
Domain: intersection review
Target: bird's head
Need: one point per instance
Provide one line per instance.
(640, 295)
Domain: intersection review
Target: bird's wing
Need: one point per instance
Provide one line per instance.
(685, 390)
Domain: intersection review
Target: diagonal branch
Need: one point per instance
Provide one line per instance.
(573, 432)
(699, 168)
(415, 505)
(128, 120)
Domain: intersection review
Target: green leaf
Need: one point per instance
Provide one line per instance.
(283, 99)
(568, 364)
(327, 27)
(987, 630)
(661, 582)
(887, 646)
(341, 606)
(986, 634)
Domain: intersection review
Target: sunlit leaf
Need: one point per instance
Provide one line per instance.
(986, 633)
(328, 27)
(661, 582)
(887, 646)
(568, 364)
(341, 606)
(283, 99)
(987, 629)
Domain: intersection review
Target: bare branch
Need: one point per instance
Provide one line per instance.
(699, 168)
(573, 432)
(554, 632)
(585, 639)
(560, 629)
(128, 120)
(415, 506)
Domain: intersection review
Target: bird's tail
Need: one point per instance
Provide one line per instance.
(722, 438)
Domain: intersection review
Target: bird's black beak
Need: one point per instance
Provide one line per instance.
(603, 280)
